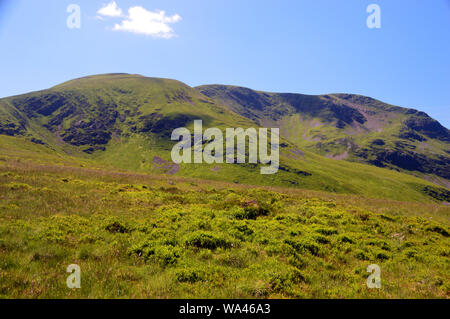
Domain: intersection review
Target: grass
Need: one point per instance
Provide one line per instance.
(84, 180)
(155, 236)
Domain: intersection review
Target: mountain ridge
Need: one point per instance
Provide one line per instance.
(126, 121)
(338, 124)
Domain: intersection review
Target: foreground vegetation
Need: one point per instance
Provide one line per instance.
(155, 236)
(86, 178)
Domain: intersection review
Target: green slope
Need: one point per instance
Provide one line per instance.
(86, 179)
(125, 121)
(348, 127)
(154, 236)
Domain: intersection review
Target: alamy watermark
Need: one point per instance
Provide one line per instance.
(374, 19)
(208, 146)
(74, 19)
(374, 280)
(74, 279)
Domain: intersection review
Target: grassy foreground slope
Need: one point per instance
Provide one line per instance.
(162, 236)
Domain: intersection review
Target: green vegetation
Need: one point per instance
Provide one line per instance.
(158, 236)
(347, 127)
(125, 121)
(86, 178)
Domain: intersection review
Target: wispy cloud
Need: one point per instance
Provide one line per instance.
(110, 10)
(141, 21)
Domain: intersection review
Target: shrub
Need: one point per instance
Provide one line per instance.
(190, 275)
(304, 245)
(297, 261)
(321, 239)
(379, 243)
(364, 216)
(281, 281)
(361, 255)
(380, 255)
(388, 218)
(167, 255)
(251, 212)
(444, 252)
(142, 249)
(116, 227)
(84, 253)
(408, 244)
(326, 231)
(346, 239)
(204, 225)
(437, 229)
(243, 228)
(411, 253)
(207, 240)
(295, 232)
(19, 187)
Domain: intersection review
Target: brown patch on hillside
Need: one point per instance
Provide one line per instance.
(339, 156)
(164, 166)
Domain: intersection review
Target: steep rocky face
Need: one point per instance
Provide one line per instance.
(347, 126)
(89, 112)
(71, 115)
(12, 122)
(257, 105)
(422, 123)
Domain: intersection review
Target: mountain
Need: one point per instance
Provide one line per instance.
(86, 179)
(348, 127)
(125, 121)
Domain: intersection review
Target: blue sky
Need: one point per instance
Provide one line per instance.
(310, 47)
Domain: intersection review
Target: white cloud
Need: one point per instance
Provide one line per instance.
(153, 23)
(110, 10)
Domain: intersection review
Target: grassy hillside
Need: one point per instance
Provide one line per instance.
(155, 236)
(86, 178)
(348, 127)
(125, 121)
